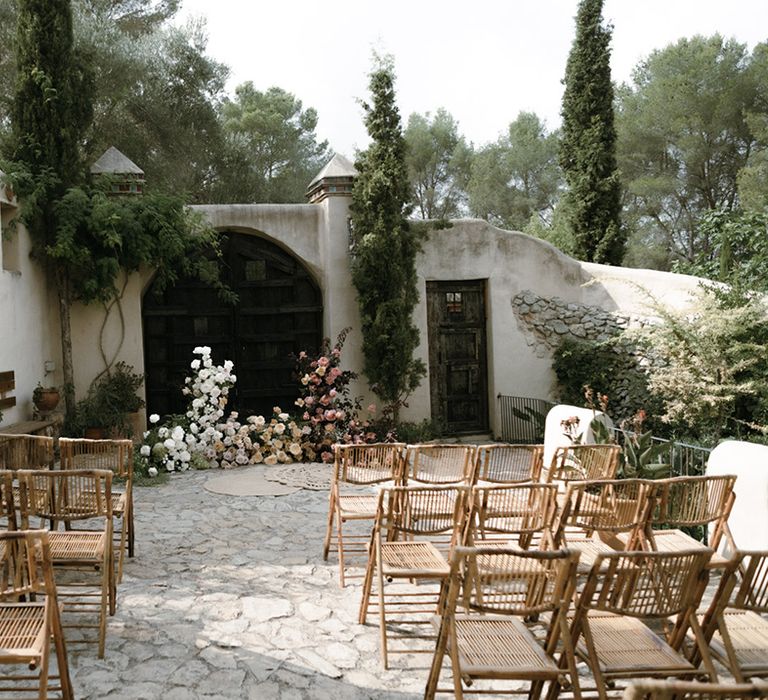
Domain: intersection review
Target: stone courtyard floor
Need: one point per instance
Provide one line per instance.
(228, 597)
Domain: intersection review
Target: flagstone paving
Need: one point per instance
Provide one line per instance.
(228, 597)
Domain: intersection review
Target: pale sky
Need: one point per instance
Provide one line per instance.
(482, 60)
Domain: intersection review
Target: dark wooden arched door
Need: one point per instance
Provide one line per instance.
(278, 313)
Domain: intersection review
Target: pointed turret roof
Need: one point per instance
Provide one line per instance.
(335, 178)
(338, 166)
(113, 162)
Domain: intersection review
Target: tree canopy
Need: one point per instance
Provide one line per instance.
(270, 150)
(438, 160)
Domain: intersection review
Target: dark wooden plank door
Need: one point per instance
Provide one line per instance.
(458, 377)
(278, 313)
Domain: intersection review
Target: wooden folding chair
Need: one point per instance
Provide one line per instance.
(28, 623)
(66, 498)
(513, 515)
(736, 624)
(492, 596)
(509, 464)
(595, 513)
(408, 518)
(439, 465)
(356, 469)
(117, 456)
(692, 690)
(692, 501)
(626, 589)
(583, 463)
(20, 451)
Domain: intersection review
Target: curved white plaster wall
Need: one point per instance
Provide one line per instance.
(555, 437)
(749, 462)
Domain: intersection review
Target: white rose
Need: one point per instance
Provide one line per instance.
(185, 456)
(193, 428)
(169, 444)
(283, 416)
(154, 418)
(177, 433)
(195, 364)
(145, 451)
(228, 365)
(152, 471)
(280, 428)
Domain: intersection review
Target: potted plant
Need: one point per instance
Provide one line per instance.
(104, 410)
(45, 398)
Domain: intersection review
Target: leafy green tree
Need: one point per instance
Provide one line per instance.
(588, 144)
(438, 160)
(271, 150)
(385, 248)
(683, 138)
(51, 113)
(155, 90)
(517, 179)
(753, 177)
(738, 254)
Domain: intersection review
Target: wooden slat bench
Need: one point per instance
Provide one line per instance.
(30, 427)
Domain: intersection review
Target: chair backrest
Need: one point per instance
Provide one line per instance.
(368, 464)
(747, 587)
(511, 581)
(686, 501)
(610, 505)
(514, 509)
(115, 455)
(584, 462)
(693, 690)
(26, 452)
(406, 512)
(25, 562)
(66, 496)
(646, 584)
(7, 501)
(439, 464)
(509, 464)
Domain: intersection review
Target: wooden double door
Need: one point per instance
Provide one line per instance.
(458, 376)
(278, 313)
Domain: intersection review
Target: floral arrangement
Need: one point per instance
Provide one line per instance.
(166, 447)
(330, 414)
(255, 441)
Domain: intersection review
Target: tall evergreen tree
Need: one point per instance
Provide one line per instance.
(588, 145)
(385, 248)
(51, 112)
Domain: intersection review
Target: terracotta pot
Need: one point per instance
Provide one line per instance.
(46, 400)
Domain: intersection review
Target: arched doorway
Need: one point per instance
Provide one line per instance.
(278, 313)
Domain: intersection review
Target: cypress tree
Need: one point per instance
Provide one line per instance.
(385, 249)
(588, 145)
(51, 111)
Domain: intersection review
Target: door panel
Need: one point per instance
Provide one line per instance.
(457, 356)
(278, 313)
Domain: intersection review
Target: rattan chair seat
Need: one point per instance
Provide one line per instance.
(500, 647)
(69, 546)
(22, 631)
(358, 506)
(417, 559)
(590, 548)
(749, 638)
(624, 645)
(676, 541)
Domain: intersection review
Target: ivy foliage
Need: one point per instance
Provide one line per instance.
(385, 249)
(588, 145)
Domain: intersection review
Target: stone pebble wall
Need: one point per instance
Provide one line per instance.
(546, 322)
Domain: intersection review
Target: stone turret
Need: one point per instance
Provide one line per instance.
(125, 175)
(334, 180)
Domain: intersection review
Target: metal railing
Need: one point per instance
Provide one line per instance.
(522, 419)
(522, 422)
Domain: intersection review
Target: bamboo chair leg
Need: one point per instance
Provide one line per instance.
(433, 679)
(329, 529)
(61, 657)
(701, 642)
(44, 667)
(382, 616)
(367, 584)
(340, 541)
(103, 610)
(131, 528)
(733, 661)
(123, 544)
(455, 667)
(594, 661)
(570, 656)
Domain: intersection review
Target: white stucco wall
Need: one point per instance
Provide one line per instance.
(317, 234)
(29, 332)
